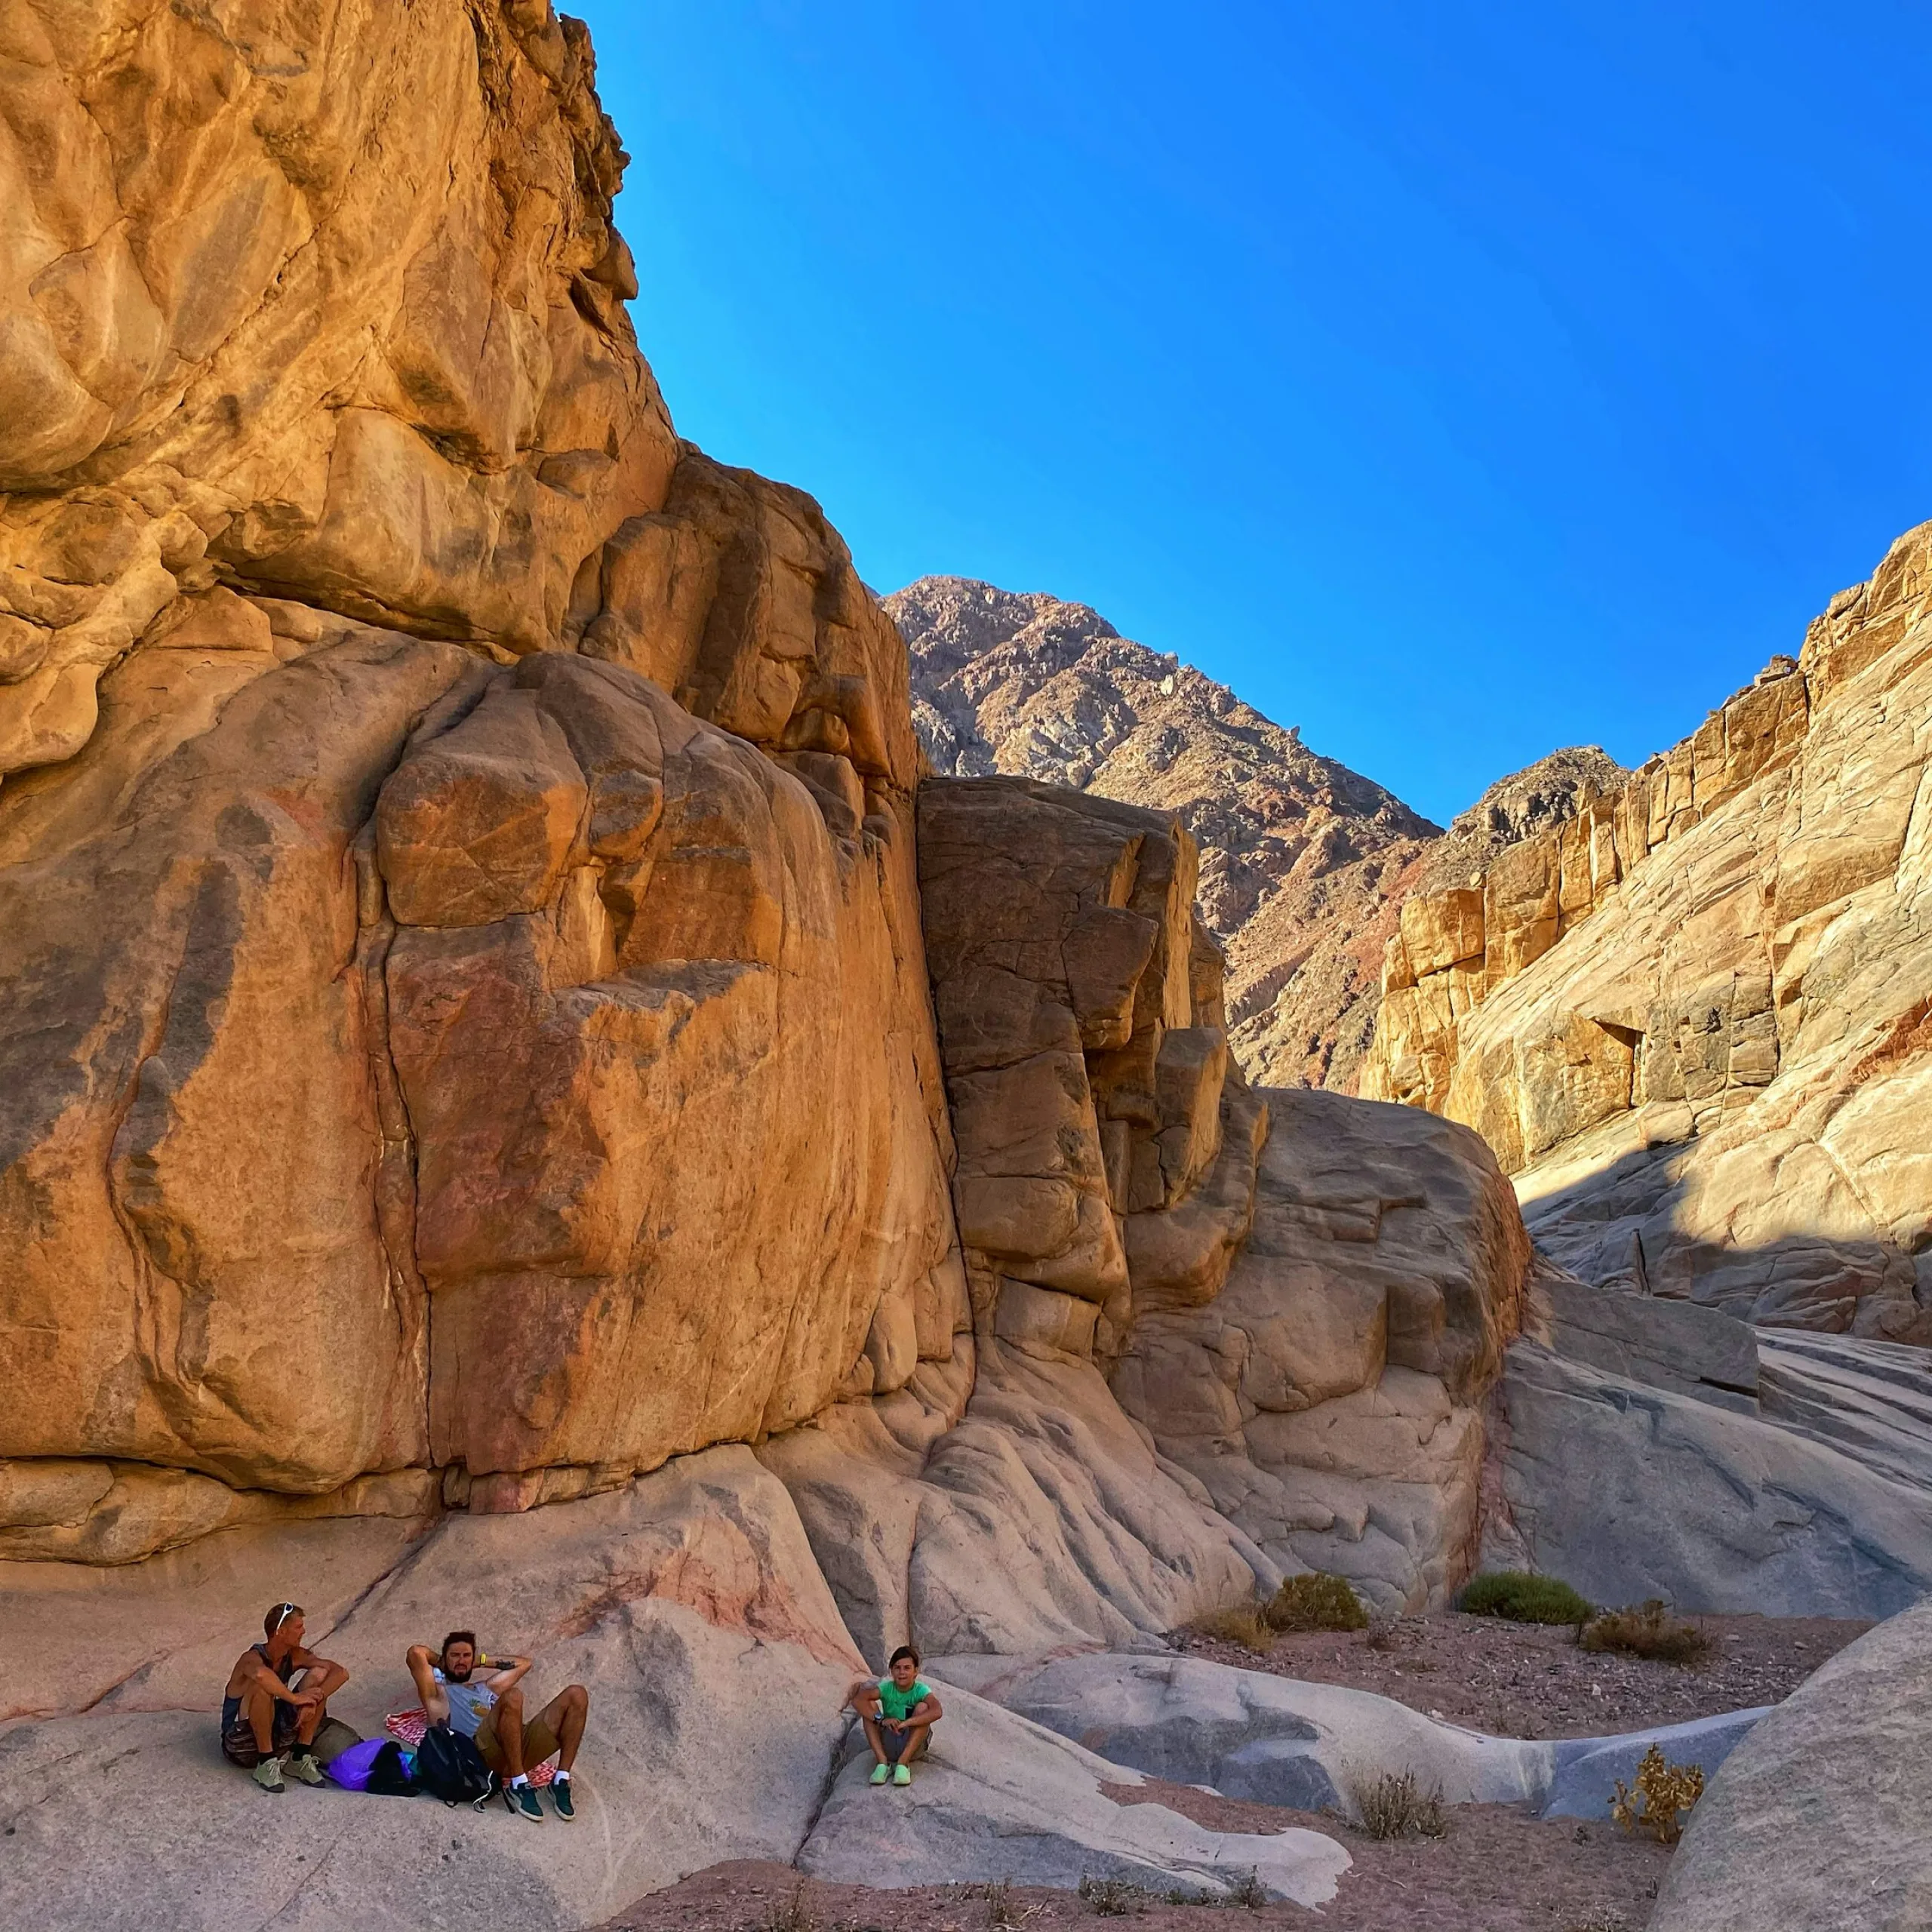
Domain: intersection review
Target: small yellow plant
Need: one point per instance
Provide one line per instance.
(1662, 1791)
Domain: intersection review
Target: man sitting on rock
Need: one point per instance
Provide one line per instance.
(898, 1712)
(267, 1722)
(489, 1711)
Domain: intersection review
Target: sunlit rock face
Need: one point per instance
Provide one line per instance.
(469, 1035)
(1693, 1023)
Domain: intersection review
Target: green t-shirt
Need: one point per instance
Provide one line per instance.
(897, 1704)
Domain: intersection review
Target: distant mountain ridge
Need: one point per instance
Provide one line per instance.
(1303, 861)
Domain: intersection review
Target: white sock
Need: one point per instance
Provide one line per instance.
(560, 1776)
(519, 1779)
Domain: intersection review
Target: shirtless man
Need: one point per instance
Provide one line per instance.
(488, 1709)
(267, 1722)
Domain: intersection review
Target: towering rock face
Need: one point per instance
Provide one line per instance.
(1693, 1022)
(470, 1032)
(1300, 854)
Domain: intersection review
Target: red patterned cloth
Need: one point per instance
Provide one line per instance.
(407, 1727)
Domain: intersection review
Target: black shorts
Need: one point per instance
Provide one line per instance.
(238, 1740)
(894, 1743)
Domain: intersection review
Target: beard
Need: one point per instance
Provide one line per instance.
(459, 1676)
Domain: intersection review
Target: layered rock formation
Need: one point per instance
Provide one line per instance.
(1694, 1022)
(1305, 864)
(1300, 854)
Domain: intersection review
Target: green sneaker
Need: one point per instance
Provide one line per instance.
(301, 1765)
(560, 1796)
(268, 1775)
(521, 1798)
(902, 1774)
(881, 1772)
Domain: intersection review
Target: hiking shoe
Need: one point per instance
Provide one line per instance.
(902, 1774)
(522, 1800)
(881, 1772)
(268, 1775)
(301, 1765)
(560, 1796)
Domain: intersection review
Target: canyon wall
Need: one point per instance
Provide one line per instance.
(1693, 1023)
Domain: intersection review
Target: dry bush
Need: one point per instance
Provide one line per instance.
(1646, 1630)
(1604, 1918)
(1001, 1912)
(1113, 1898)
(1396, 1806)
(1248, 1892)
(1316, 1602)
(1383, 1638)
(1662, 1791)
(1522, 1598)
(1245, 1625)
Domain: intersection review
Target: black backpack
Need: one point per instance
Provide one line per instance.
(389, 1775)
(449, 1766)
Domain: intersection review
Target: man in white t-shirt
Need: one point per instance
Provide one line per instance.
(482, 1698)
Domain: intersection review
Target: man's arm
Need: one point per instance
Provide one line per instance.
(321, 1677)
(863, 1696)
(422, 1661)
(505, 1672)
(302, 1699)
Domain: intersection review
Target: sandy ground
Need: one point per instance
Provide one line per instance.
(1497, 1869)
(1527, 1680)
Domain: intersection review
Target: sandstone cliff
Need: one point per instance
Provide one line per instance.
(1693, 1021)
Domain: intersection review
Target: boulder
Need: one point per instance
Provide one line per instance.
(1250, 1733)
(1328, 1397)
(1822, 1816)
(996, 1797)
(1587, 1770)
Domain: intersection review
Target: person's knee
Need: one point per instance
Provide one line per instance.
(576, 1697)
(512, 1699)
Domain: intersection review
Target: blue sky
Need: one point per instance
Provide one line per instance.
(1454, 381)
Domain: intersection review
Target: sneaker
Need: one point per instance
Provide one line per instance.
(881, 1772)
(902, 1774)
(301, 1765)
(268, 1775)
(560, 1796)
(522, 1799)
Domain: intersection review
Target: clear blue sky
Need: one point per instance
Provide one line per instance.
(1454, 381)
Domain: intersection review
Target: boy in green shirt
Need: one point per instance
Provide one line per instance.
(898, 1712)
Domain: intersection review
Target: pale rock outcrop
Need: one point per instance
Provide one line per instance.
(1329, 1398)
(999, 1798)
(1823, 1818)
(1644, 1448)
(688, 1601)
(1252, 1734)
(1695, 1027)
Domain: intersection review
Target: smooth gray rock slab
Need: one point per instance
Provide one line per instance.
(1669, 1344)
(1822, 1818)
(996, 1797)
(1588, 1769)
(1250, 1733)
(1627, 1491)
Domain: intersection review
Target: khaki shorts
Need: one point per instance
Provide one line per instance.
(540, 1741)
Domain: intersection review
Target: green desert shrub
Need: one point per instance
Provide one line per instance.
(1316, 1602)
(1646, 1630)
(1522, 1599)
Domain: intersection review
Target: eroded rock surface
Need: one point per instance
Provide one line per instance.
(1694, 1023)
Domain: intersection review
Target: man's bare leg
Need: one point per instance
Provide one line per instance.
(258, 1707)
(873, 1738)
(565, 1715)
(506, 1715)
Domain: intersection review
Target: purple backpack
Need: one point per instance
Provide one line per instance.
(353, 1769)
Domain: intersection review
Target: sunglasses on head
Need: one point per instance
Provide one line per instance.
(282, 1616)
